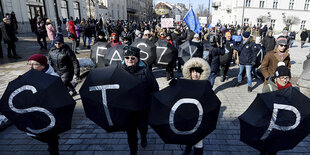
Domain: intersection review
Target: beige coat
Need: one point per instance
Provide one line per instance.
(196, 62)
(270, 63)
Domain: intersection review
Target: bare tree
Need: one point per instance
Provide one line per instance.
(202, 11)
(291, 20)
(263, 19)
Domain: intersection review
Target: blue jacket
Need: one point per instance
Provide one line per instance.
(246, 53)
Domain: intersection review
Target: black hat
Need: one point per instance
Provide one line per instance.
(132, 51)
(101, 33)
(197, 69)
(59, 39)
(282, 70)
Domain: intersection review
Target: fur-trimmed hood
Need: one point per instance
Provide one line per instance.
(196, 62)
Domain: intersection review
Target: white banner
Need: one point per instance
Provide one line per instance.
(203, 20)
(177, 18)
(166, 22)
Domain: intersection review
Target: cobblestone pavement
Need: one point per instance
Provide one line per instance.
(86, 137)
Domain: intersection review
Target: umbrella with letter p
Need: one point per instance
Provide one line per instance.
(38, 103)
(276, 121)
(110, 95)
(184, 113)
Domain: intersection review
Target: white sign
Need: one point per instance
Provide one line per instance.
(166, 22)
(203, 20)
(177, 18)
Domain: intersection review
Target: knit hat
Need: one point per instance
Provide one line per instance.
(282, 70)
(39, 58)
(197, 69)
(258, 40)
(137, 32)
(196, 35)
(227, 34)
(114, 34)
(59, 39)
(146, 32)
(246, 34)
(281, 41)
(132, 51)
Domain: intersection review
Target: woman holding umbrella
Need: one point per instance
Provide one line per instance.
(196, 69)
(280, 80)
(138, 68)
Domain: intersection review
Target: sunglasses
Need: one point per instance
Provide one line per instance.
(283, 45)
(131, 58)
(161, 34)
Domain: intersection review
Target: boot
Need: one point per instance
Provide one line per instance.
(249, 89)
(187, 150)
(198, 151)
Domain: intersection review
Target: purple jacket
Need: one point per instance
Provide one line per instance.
(77, 30)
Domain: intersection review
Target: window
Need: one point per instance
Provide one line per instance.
(275, 4)
(273, 22)
(246, 20)
(303, 23)
(118, 10)
(291, 4)
(247, 3)
(261, 4)
(64, 9)
(306, 4)
(76, 10)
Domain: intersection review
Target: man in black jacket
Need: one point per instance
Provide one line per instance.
(9, 37)
(303, 37)
(64, 62)
(269, 42)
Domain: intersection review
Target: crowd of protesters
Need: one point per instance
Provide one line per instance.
(251, 48)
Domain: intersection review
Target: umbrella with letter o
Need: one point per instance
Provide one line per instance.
(110, 95)
(147, 50)
(98, 52)
(115, 55)
(276, 121)
(184, 113)
(38, 103)
(165, 53)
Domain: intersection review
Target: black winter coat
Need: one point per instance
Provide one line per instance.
(227, 57)
(269, 43)
(214, 58)
(7, 33)
(144, 74)
(304, 36)
(64, 61)
(247, 55)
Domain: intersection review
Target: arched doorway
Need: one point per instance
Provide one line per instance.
(35, 8)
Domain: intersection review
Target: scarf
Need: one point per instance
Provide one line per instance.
(283, 87)
(131, 69)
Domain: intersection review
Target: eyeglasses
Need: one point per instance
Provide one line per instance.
(287, 78)
(33, 64)
(131, 58)
(283, 45)
(161, 34)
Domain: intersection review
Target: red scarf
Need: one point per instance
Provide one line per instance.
(286, 86)
(170, 41)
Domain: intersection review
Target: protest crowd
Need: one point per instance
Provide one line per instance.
(124, 54)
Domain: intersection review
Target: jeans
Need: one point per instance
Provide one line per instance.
(212, 78)
(291, 42)
(43, 37)
(89, 40)
(248, 69)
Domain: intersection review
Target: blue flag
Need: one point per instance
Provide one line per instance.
(192, 21)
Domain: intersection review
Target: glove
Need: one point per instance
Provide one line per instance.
(253, 64)
(267, 78)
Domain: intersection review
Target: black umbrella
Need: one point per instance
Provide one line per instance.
(147, 50)
(276, 121)
(115, 55)
(38, 103)
(227, 57)
(98, 51)
(110, 95)
(190, 49)
(184, 113)
(165, 53)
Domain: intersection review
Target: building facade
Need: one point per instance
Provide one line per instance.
(277, 13)
(26, 11)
